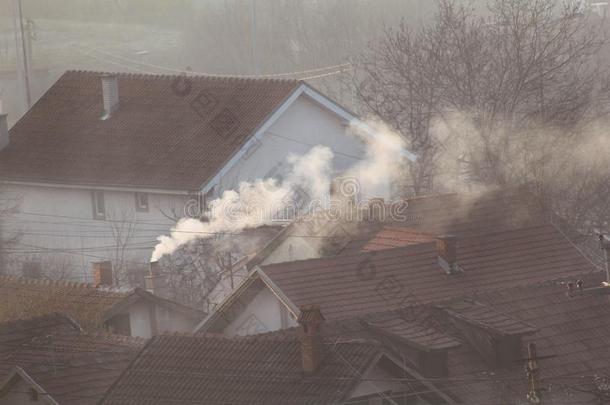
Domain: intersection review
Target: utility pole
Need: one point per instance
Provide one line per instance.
(256, 70)
(533, 375)
(20, 48)
(604, 243)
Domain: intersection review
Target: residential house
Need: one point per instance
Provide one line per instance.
(49, 361)
(374, 281)
(386, 224)
(104, 163)
(538, 343)
(96, 307)
(298, 368)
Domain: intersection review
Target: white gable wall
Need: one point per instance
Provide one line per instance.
(306, 123)
(265, 313)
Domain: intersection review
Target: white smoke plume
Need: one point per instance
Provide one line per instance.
(260, 202)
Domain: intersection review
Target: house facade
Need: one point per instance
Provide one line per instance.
(104, 163)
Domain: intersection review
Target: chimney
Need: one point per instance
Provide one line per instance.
(310, 339)
(4, 135)
(102, 273)
(156, 281)
(110, 93)
(446, 248)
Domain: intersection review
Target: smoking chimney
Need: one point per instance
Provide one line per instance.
(102, 273)
(110, 94)
(310, 320)
(156, 281)
(446, 248)
(4, 135)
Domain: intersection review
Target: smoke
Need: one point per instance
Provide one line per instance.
(383, 163)
(261, 202)
(566, 169)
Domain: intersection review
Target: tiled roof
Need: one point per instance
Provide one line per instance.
(25, 298)
(71, 368)
(217, 370)
(166, 134)
(393, 236)
(570, 334)
(20, 330)
(465, 215)
(350, 285)
(412, 332)
(572, 331)
(487, 317)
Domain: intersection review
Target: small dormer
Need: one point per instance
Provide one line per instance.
(495, 335)
(423, 346)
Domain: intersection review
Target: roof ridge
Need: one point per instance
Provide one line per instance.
(191, 75)
(46, 282)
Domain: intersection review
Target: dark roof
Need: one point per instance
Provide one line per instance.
(570, 335)
(162, 136)
(25, 298)
(573, 331)
(17, 331)
(71, 368)
(350, 285)
(487, 318)
(254, 370)
(464, 215)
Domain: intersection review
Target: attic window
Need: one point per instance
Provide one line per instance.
(141, 202)
(99, 207)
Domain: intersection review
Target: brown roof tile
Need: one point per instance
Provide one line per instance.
(158, 138)
(25, 298)
(254, 370)
(71, 368)
(350, 285)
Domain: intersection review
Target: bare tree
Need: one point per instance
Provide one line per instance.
(526, 79)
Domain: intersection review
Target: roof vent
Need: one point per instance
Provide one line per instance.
(110, 94)
(446, 248)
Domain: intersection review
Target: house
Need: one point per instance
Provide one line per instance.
(53, 363)
(387, 224)
(104, 163)
(96, 307)
(477, 349)
(379, 280)
(300, 367)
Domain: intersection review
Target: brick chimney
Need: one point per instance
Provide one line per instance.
(4, 135)
(446, 248)
(156, 281)
(310, 339)
(110, 94)
(102, 273)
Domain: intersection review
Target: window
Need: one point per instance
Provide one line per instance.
(141, 202)
(99, 208)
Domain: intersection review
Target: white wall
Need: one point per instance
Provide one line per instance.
(305, 122)
(263, 314)
(55, 225)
